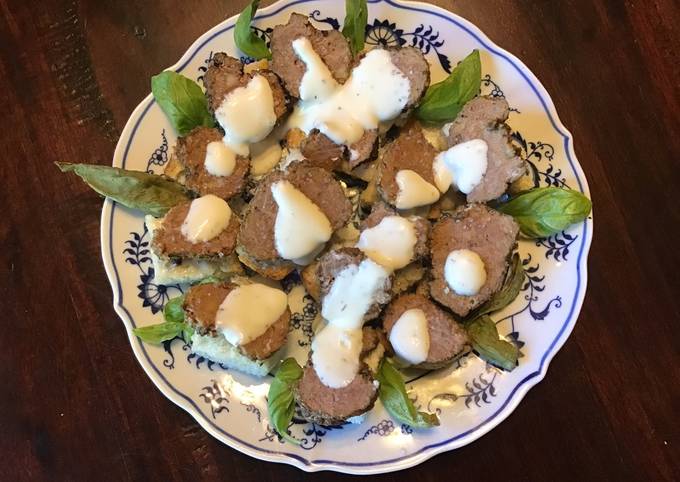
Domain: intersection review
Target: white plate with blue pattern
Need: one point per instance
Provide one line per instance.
(471, 398)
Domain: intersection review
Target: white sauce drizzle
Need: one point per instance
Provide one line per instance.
(291, 157)
(300, 226)
(446, 128)
(442, 174)
(377, 91)
(414, 191)
(353, 154)
(464, 272)
(317, 83)
(208, 216)
(389, 243)
(335, 355)
(352, 293)
(464, 165)
(248, 311)
(247, 114)
(219, 159)
(410, 337)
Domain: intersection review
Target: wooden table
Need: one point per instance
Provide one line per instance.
(74, 402)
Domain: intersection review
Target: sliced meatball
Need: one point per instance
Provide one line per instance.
(330, 45)
(411, 62)
(270, 341)
(201, 303)
(310, 280)
(225, 74)
(448, 340)
(332, 406)
(169, 242)
(422, 227)
(371, 338)
(275, 269)
(190, 153)
(484, 118)
(319, 150)
(200, 309)
(257, 247)
(488, 233)
(410, 150)
(333, 262)
(365, 149)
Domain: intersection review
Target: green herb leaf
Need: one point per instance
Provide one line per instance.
(146, 192)
(544, 211)
(280, 400)
(509, 291)
(354, 27)
(210, 280)
(246, 41)
(187, 332)
(173, 311)
(395, 399)
(157, 334)
(444, 100)
(489, 346)
(182, 100)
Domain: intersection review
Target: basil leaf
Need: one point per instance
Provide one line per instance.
(187, 332)
(149, 193)
(489, 346)
(395, 399)
(280, 400)
(156, 334)
(544, 211)
(246, 41)
(444, 100)
(182, 100)
(509, 291)
(354, 27)
(210, 280)
(173, 310)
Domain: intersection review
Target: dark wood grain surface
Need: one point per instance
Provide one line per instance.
(76, 405)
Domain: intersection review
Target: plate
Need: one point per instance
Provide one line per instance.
(470, 397)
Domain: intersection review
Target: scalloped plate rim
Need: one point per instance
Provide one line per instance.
(422, 453)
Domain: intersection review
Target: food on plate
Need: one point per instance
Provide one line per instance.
(412, 65)
(347, 269)
(225, 75)
(170, 271)
(291, 216)
(406, 177)
(470, 251)
(482, 123)
(202, 228)
(331, 406)
(207, 166)
(250, 320)
(193, 240)
(422, 334)
(330, 45)
(321, 151)
(343, 169)
(394, 240)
